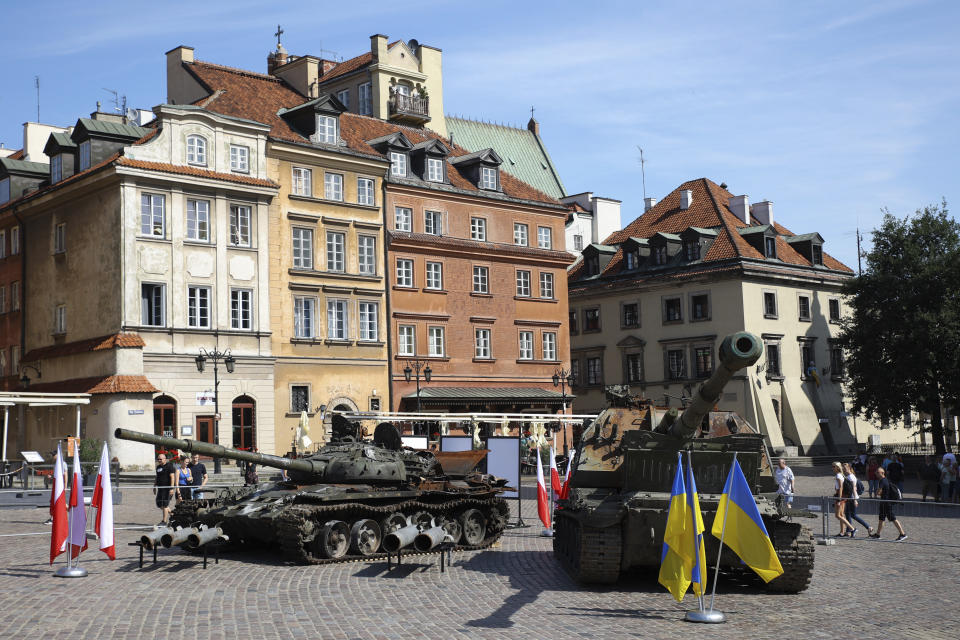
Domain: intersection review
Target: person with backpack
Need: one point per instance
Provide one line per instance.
(890, 495)
(850, 511)
(842, 492)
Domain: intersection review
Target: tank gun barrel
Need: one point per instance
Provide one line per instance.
(738, 350)
(216, 451)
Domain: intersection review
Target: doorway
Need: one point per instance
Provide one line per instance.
(244, 429)
(205, 431)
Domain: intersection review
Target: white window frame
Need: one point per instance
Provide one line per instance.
(404, 272)
(15, 295)
(546, 285)
(436, 342)
(336, 251)
(545, 237)
(60, 238)
(196, 150)
(523, 283)
(241, 225)
(434, 279)
(525, 345)
(60, 319)
(478, 229)
(344, 97)
(241, 309)
(488, 178)
(364, 99)
(406, 340)
(433, 222)
(520, 234)
(14, 240)
(301, 181)
(326, 130)
(338, 319)
(199, 210)
(333, 186)
(84, 155)
(368, 317)
(577, 242)
(481, 279)
(145, 316)
(302, 239)
(481, 344)
(403, 219)
(549, 346)
(198, 300)
(367, 255)
(365, 194)
(304, 317)
(239, 158)
(398, 164)
(435, 169)
(150, 213)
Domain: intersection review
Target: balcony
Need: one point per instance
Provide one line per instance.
(409, 109)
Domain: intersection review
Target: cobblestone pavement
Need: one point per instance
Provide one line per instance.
(861, 588)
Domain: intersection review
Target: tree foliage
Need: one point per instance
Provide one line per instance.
(902, 338)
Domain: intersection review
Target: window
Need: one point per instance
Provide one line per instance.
(803, 303)
(198, 307)
(808, 359)
(676, 369)
(836, 361)
(692, 250)
(3, 244)
(433, 223)
(488, 178)
(672, 311)
(3, 299)
(435, 169)
(304, 317)
(302, 248)
(60, 238)
(403, 219)
(834, 305)
(546, 285)
(374, 404)
(364, 103)
(56, 168)
(591, 319)
(544, 237)
(520, 234)
(770, 247)
(14, 241)
(241, 309)
(344, 97)
(239, 158)
(769, 304)
(632, 260)
(404, 272)
(240, 225)
(526, 345)
(333, 186)
(435, 340)
(336, 247)
(326, 130)
(577, 242)
(365, 191)
(398, 164)
(773, 360)
(634, 367)
(817, 252)
(367, 255)
(369, 325)
(4, 190)
(299, 398)
(84, 155)
(406, 340)
(336, 319)
(575, 372)
(703, 356)
(549, 345)
(481, 343)
(14, 358)
(700, 306)
(198, 220)
(481, 277)
(196, 150)
(152, 302)
(152, 215)
(573, 322)
(630, 315)
(594, 371)
(434, 275)
(478, 229)
(302, 181)
(15, 295)
(660, 255)
(523, 284)
(60, 319)
(592, 264)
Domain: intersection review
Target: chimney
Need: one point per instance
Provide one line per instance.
(686, 198)
(740, 206)
(378, 48)
(534, 126)
(650, 203)
(763, 211)
(326, 66)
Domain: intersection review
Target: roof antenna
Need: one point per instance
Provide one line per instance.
(643, 173)
(36, 81)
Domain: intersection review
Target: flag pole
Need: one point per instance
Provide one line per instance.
(701, 615)
(72, 570)
(693, 516)
(723, 531)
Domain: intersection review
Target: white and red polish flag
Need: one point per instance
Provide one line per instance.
(543, 503)
(565, 490)
(103, 503)
(554, 474)
(78, 510)
(58, 509)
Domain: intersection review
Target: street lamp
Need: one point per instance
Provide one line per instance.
(562, 378)
(415, 366)
(25, 380)
(216, 356)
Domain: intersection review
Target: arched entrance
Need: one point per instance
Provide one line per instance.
(244, 423)
(165, 416)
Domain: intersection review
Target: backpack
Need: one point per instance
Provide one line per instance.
(860, 488)
(893, 493)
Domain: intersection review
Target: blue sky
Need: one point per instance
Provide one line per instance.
(831, 110)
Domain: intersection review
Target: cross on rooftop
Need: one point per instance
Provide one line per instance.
(278, 34)
(531, 112)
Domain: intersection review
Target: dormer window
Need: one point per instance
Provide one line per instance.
(660, 255)
(816, 252)
(593, 265)
(84, 155)
(398, 164)
(56, 168)
(197, 150)
(770, 247)
(435, 169)
(692, 250)
(239, 158)
(632, 260)
(4, 190)
(326, 129)
(488, 178)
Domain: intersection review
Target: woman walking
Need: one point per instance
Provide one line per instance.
(842, 494)
(872, 465)
(850, 509)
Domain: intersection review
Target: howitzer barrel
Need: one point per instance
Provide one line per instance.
(738, 350)
(217, 451)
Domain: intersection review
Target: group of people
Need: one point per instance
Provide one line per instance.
(847, 490)
(185, 480)
(939, 479)
(893, 471)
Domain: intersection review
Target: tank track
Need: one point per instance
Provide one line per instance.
(589, 555)
(794, 545)
(293, 524)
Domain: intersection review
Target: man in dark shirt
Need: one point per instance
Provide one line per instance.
(199, 473)
(895, 471)
(886, 507)
(162, 486)
(929, 476)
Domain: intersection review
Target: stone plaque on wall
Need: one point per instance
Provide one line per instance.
(242, 268)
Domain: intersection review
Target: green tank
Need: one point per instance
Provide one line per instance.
(351, 499)
(614, 518)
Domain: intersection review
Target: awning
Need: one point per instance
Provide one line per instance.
(489, 395)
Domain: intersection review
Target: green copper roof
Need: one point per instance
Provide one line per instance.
(22, 166)
(523, 153)
(113, 128)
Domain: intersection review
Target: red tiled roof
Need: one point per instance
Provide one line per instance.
(194, 171)
(16, 155)
(98, 385)
(347, 66)
(112, 341)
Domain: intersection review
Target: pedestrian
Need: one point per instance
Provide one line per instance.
(198, 471)
(163, 486)
(872, 465)
(895, 471)
(842, 494)
(886, 461)
(929, 476)
(948, 479)
(888, 495)
(250, 475)
(184, 480)
(850, 509)
(784, 477)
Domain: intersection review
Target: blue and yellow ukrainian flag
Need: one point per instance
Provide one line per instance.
(699, 569)
(677, 557)
(745, 533)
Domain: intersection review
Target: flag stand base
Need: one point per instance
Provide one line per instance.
(70, 572)
(547, 533)
(713, 617)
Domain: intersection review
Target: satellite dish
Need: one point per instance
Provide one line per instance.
(133, 116)
(413, 44)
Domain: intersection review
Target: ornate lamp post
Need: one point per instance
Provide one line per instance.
(561, 378)
(216, 356)
(414, 367)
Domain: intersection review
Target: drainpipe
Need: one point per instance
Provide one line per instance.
(386, 292)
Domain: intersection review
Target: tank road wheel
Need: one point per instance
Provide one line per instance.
(423, 520)
(453, 529)
(793, 543)
(474, 526)
(392, 522)
(333, 539)
(365, 537)
(589, 555)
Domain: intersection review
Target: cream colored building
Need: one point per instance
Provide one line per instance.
(650, 306)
